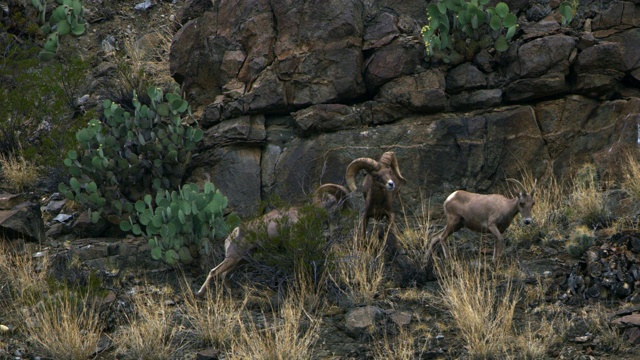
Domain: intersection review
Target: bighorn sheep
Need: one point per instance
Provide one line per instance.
(485, 213)
(238, 245)
(380, 187)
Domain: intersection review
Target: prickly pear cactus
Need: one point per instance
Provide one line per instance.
(179, 223)
(128, 156)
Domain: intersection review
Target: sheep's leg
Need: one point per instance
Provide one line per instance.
(499, 243)
(223, 268)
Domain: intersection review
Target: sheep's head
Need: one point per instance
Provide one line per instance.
(525, 200)
(385, 173)
(331, 197)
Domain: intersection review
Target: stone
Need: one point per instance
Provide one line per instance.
(537, 88)
(363, 320)
(479, 99)
(20, 217)
(465, 77)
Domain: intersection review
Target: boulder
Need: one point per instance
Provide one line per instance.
(20, 217)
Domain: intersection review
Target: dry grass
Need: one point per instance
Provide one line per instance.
(147, 61)
(417, 233)
(151, 330)
(359, 268)
(288, 333)
(402, 346)
(586, 203)
(19, 175)
(631, 182)
(213, 319)
(66, 326)
(482, 305)
(22, 278)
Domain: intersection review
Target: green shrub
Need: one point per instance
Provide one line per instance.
(457, 24)
(177, 224)
(130, 155)
(40, 114)
(298, 246)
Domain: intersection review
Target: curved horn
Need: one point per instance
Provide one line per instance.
(369, 165)
(337, 191)
(389, 159)
(522, 188)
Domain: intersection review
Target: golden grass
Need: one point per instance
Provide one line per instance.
(213, 319)
(65, 325)
(147, 61)
(19, 175)
(482, 305)
(287, 333)
(22, 277)
(631, 182)
(359, 267)
(586, 203)
(401, 346)
(151, 330)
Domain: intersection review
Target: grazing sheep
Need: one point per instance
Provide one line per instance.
(331, 197)
(492, 213)
(380, 188)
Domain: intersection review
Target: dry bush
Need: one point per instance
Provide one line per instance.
(151, 330)
(288, 333)
(147, 62)
(482, 305)
(586, 203)
(598, 321)
(359, 267)
(631, 182)
(416, 234)
(22, 278)
(18, 174)
(65, 325)
(213, 319)
(402, 346)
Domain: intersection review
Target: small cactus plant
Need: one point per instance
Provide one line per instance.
(67, 18)
(127, 156)
(177, 223)
(451, 21)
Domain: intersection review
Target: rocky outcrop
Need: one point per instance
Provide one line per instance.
(20, 217)
(290, 92)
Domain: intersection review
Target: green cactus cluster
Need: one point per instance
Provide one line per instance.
(126, 156)
(452, 21)
(176, 223)
(67, 18)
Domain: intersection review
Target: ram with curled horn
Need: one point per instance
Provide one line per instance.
(485, 213)
(238, 245)
(380, 188)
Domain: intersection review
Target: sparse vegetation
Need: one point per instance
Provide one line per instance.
(18, 173)
(358, 269)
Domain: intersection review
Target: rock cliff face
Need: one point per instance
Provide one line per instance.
(290, 91)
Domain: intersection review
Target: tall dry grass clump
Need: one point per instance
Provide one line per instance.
(18, 173)
(358, 269)
(214, 319)
(586, 203)
(22, 280)
(402, 346)
(289, 332)
(482, 304)
(151, 330)
(416, 234)
(631, 180)
(66, 325)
